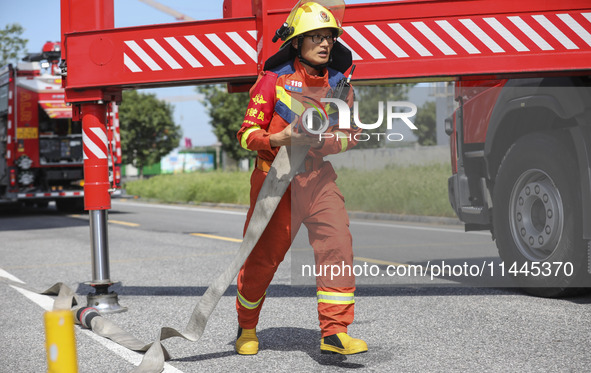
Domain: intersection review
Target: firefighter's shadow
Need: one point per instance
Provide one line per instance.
(305, 340)
(287, 339)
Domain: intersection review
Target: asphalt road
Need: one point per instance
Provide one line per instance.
(164, 257)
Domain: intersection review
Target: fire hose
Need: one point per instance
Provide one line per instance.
(284, 168)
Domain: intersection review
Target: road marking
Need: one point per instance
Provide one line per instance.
(378, 261)
(416, 227)
(216, 211)
(128, 224)
(46, 303)
(216, 237)
(395, 264)
(9, 276)
(182, 208)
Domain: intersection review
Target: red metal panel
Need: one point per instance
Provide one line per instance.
(395, 40)
(79, 16)
(170, 54)
(456, 38)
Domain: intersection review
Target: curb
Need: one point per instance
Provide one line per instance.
(405, 218)
(352, 214)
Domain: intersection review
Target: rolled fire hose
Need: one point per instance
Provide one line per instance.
(284, 168)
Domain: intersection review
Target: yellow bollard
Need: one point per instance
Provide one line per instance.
(60, 342)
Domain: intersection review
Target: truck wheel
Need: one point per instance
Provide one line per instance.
(537, 217)
(70, 205)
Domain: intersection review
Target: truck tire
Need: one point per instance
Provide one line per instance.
(537, 217)
(70, 205)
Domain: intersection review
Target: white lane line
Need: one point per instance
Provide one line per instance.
(416, 227)
(9, 276)
(168, 207)
(42, 301)
(215, 211)
(46, 303)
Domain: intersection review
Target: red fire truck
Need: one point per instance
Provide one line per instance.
(520, 149)
(40, 145)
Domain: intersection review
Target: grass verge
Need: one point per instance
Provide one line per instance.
(411, 190)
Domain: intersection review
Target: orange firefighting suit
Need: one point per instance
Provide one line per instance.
(317, 201)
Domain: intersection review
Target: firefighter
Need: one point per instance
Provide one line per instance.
(310, 61)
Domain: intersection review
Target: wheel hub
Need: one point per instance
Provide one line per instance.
(536, 216)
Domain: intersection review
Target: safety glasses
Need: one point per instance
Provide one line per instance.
(318, 39)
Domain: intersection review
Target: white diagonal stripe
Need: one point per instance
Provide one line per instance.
(385, 39)
(576, 27)
(243, 44)
(163, 54)
(354, 54)
(98, 151)
(482, 36)
(225, 49)
(363, 42)
(414, 43)
(101, 134)
(183, 52)
(9, 276)
(531, 33)
(587, 15)
(143, 55)
(433, 38)
(459, 38)
(506, 34)
(130, 64)
(253, 33)
(203, 50)
(549, 26)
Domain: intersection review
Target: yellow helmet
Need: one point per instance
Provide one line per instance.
(309, 15)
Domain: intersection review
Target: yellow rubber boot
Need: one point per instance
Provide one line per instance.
(247, 342)
(341, 343)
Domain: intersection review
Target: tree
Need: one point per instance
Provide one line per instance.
(148, 131)
(11, 43)
(226, 111)
(368, 98)
(425, 122)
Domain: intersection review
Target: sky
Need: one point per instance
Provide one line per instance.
(41, 21)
